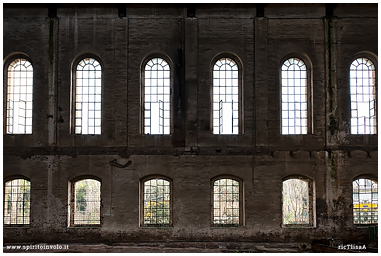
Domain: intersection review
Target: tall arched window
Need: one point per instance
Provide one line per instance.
(294, 97)
(157, 97)
(19, 97)
(88, 97)
(297, 202)
(156, 202)
(86, 203)
(365, 202)
(363, 97)
(226, 95)
(227, 201)
(17, 202)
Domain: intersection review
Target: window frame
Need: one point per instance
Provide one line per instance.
(7, 63)
(371, 57)
(241, 202)
(75, 64)
(238, 62)
(142, 92)
(141, 195)
(71, 203)
(311, 202)
(9, 179)
(309, 79)
(367, 177)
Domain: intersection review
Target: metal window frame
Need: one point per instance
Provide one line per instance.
(239, 119)
(372, 68)
(8, 128)
(309, 113)
(30, 202)
(73, 97)
(373, 210)
(143, 94)
(241, 202)
(142, 193)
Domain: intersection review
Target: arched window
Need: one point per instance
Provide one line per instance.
(88, 97)
(226, 97)
(297, 202)
(19, 97)
(156, 202)
(86, 203)
(294, 97)
(365, 202)
(157, 97)
(17, 202)
(227, 202)
(363, 97)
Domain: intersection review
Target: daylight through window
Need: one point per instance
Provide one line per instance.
(363, 97)
(157, 202)
(19, 97)
(294, 97)
(365, 201)
(17, 202)
(225, 97)
(157, 97)
(88, 96)
(295, 202)
(87, 203)
(226, 202)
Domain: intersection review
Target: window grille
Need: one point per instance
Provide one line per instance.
(87, 203)
(363, 97)
(20, 97)
(365, 202)
(226, 202)
(88, 97)
(294, 97)
(157, 100)
(295, 202)
(17, 202)
(157, 202)
(225, 97)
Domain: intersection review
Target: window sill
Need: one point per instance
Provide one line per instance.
(86, 227)
(297, 226)
(16, 226)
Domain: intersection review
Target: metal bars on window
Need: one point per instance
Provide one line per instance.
(157, 97)
(365, 202)
(226, 202)
(17, 202)
(157, 202)
(363, 97)
(225, 97)
(19, 97)
(294, 97)
(87, 203)
(88, 97)
(295, 201)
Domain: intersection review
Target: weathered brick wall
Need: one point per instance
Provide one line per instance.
(191, 156)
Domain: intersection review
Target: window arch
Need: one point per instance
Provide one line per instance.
(227, 202)
(17, 202)
(157, 96)
(226, 95)
(85, 202)
(295, 95)
(365, 201)
(87, 97)
(297, 202)
(363, 97)
(19, 96)
(156, 202)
